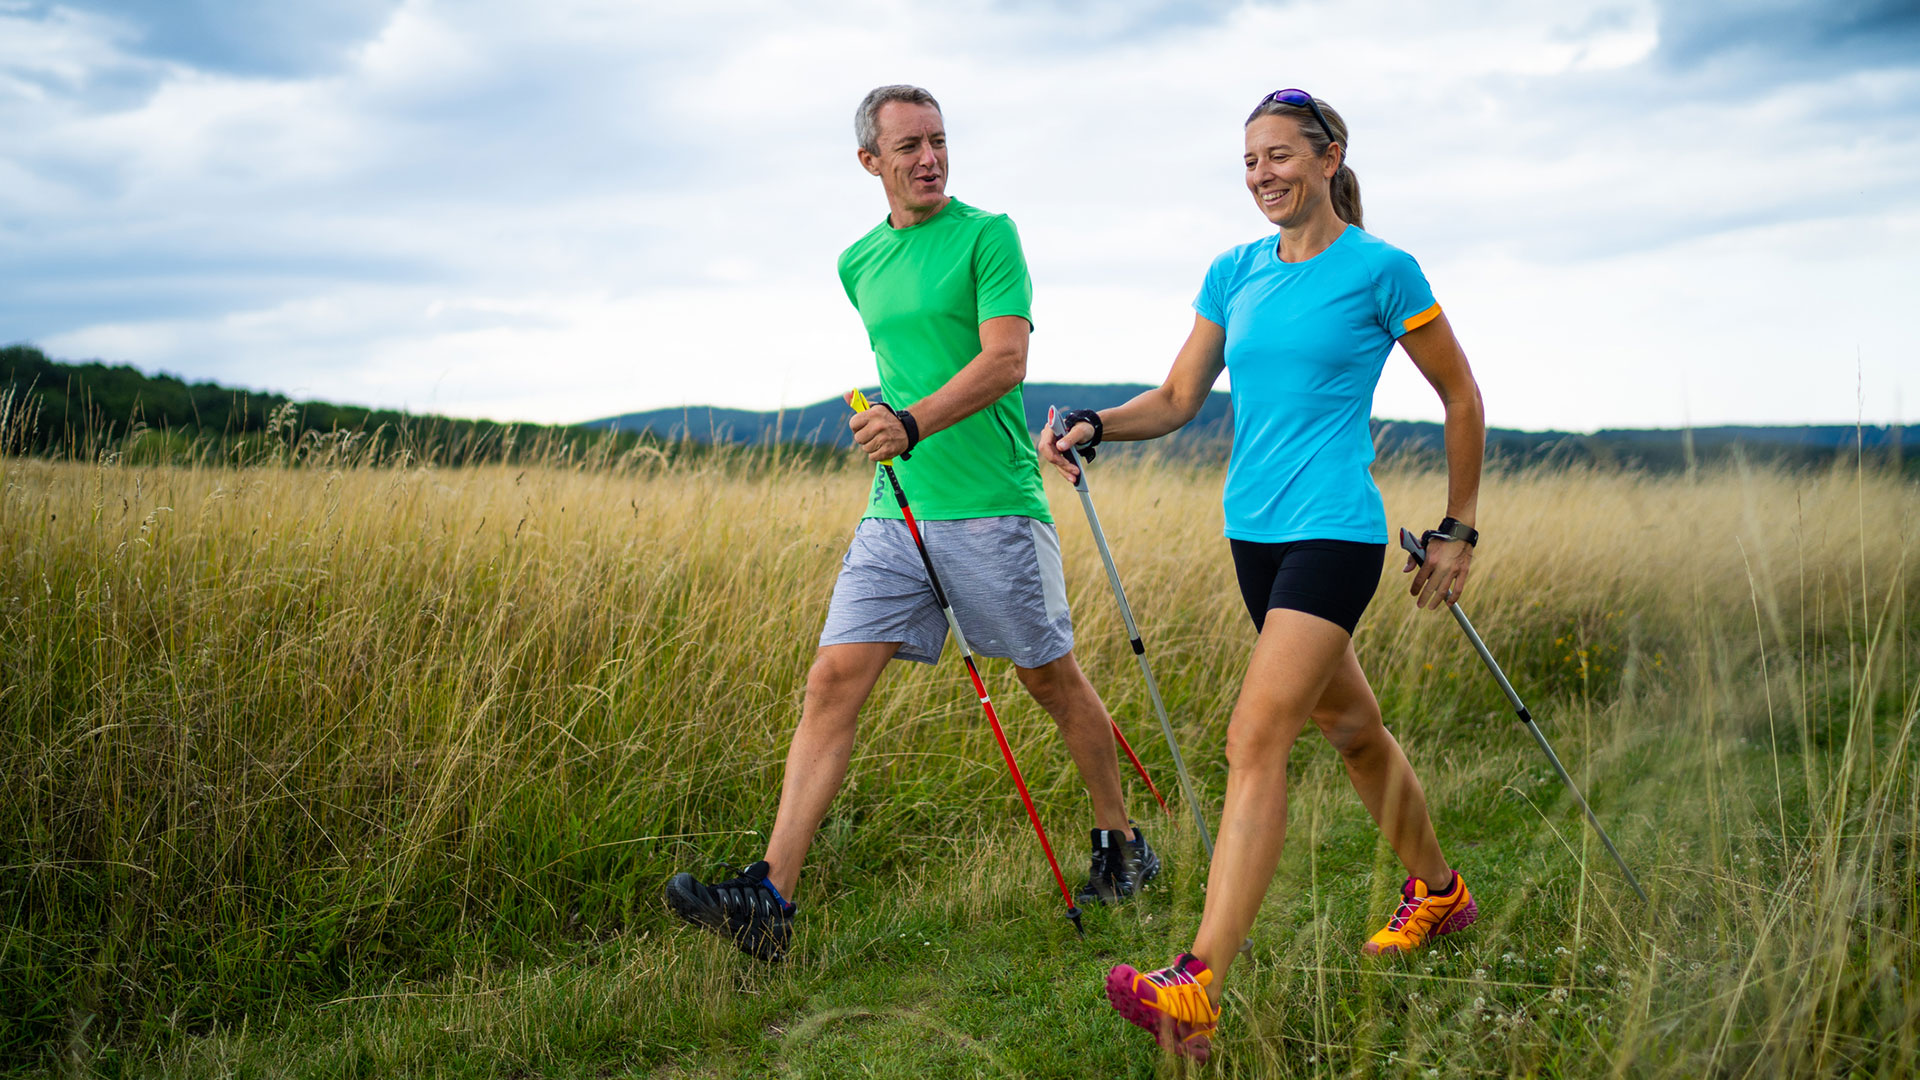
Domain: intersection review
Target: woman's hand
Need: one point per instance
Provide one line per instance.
(1053, 451)
(1442, 578)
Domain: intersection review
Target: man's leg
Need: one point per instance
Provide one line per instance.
(1062, 689)
(837, 685)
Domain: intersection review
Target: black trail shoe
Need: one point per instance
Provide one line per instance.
(747, 909)
(1121, 865)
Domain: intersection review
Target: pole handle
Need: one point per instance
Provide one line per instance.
(1057, 423)
(1411, 543)
(858, 401)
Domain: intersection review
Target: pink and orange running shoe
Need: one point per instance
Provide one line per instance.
(1423, 917)
(1171, 1003)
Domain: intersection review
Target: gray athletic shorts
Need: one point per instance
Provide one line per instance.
(1002, 575)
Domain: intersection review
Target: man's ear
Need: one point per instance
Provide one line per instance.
(867, 161)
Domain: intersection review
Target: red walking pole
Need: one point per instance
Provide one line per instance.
(859, 402)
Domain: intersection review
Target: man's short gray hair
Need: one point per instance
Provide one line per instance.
(866, 119)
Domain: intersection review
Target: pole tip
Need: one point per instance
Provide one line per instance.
(1073, 913)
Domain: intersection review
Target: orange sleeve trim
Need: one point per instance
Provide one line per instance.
(1415, 322)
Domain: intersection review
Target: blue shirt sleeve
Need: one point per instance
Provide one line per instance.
(1401, 294)
(1211, 304)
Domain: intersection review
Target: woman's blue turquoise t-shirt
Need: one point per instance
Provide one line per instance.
(1305, 345)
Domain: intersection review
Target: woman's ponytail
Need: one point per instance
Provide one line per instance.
(1345, 192)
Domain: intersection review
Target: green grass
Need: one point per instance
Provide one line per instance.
(378, 772)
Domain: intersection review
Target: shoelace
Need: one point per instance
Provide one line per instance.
(748, 896)
(1409, 906)
(1192, 1006)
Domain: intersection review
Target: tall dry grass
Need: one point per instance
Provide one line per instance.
(273, 735)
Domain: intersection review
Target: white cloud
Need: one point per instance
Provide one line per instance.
(584, 208)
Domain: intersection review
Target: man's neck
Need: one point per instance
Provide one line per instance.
(906, 217)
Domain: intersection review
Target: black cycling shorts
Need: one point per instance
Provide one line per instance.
(1333, 579)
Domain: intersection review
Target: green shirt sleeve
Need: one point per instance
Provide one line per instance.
(1001, 283)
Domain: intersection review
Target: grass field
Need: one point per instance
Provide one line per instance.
(376, 771)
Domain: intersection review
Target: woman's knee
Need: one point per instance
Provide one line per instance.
(1258, 737)
(1355, 732)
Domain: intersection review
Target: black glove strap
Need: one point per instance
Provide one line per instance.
(1453, 529)
(1085, 416)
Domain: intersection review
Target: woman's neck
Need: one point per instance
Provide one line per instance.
(1303, 242)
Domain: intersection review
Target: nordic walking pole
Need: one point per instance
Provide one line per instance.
(859, 402)
(1057, 425)
(1419, 553)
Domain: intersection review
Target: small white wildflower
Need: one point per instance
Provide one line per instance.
(1559, 993)
(1479, 973)
(1479, 1004)
(926, 943)
(1561, 950)
(1508, 958)
(1433, 1072)
(1599, 969)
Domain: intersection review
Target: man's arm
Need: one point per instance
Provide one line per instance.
(1000, 366)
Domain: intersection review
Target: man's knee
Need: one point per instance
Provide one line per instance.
(838, 672)
(1054, 685)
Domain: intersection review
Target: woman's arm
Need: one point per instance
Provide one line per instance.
(1436, 352)
(1163, 409)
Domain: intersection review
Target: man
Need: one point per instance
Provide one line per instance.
(944, 292)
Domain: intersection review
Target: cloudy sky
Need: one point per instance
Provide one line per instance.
(1635, 213)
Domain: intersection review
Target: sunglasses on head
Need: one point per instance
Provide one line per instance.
(1302, 98)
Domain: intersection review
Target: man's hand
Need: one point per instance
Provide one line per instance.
(1053, 451)
(1443, 577)
(879, 433)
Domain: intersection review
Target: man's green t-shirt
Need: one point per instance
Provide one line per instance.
(923, 292)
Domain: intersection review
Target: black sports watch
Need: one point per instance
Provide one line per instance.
(907, 424)
(1452, 528)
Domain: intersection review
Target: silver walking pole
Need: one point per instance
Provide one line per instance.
(1058, 426)
(1419, 553)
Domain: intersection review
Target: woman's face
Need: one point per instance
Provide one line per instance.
(1289, 184)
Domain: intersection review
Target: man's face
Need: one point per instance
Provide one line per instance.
(912, 162)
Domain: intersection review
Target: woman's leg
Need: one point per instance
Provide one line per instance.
(1349, 715)
(1292, 664)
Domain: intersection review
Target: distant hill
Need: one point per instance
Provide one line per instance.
(826, 421)
(82, 409)
(62, 407)
(1212, 432)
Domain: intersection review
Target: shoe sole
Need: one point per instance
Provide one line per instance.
(1459, 920)
(1172, 1035)
(688, 905)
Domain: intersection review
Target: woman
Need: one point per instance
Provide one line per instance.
(1305, 322)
